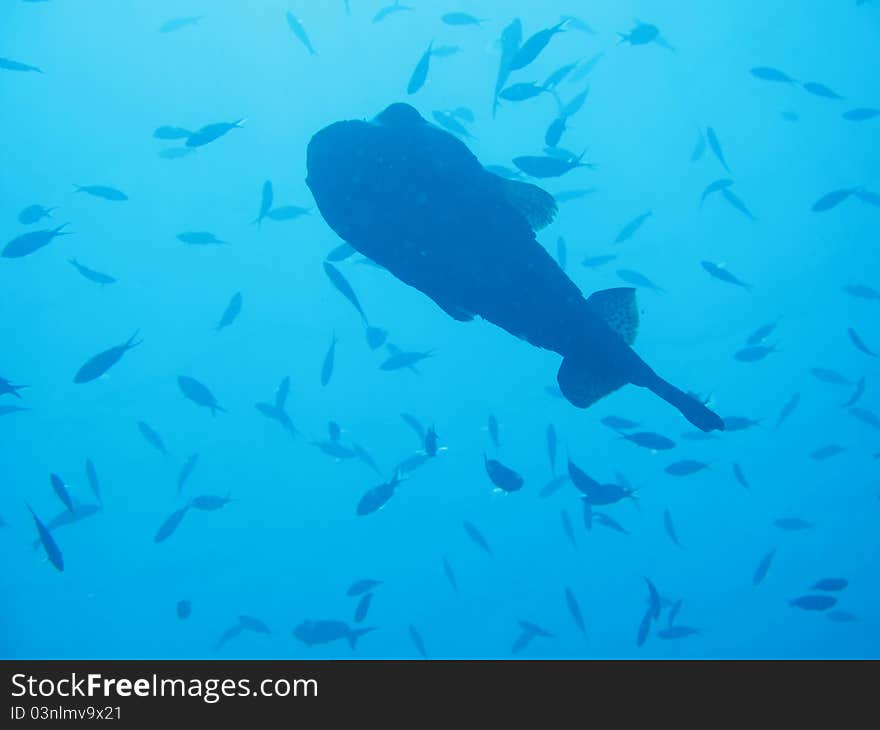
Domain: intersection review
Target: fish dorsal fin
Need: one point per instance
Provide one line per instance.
(584, 382)
(618, 308)
(536, 204)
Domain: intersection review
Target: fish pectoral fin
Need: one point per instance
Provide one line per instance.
(617, 307)
(536, 204)
(584, 382)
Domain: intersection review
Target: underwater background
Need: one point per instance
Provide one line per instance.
(774, 558)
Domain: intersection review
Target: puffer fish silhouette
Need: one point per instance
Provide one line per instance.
(413, 198)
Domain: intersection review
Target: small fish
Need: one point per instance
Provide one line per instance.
(714, 187)
(169, 26)
(362, 608)
(559, 75)
(862, 291)
(299, 31)
(329, 360)
(699, 147)
(416, 639)
(361, 586)
(522, 91)
(826, 452)
(755, 353)
(183, 609)
(567, 528)
(91, 274)
(199, 394)
(431, 442)
(649, 440)
(685, 467)
(474, 534)
(377, 497)
(830, 585)
(790, 405)
(167, 528)
(287, 213)
(832, 377)
(102, 191)
(186, 471)
(494, 431)
(813, 602)
(92, 478)
(209, 502)
(448, 121)
(509, 43)
(866, 416)
(34, 214)
(832, 200)
(152, 437)
(619, 424)
(9, 65)
(28, 243)
(722, 274)
(383, 13)
(171, 133)
(817, 89)
(761, 334)
(404, 360)
(266, 198)
(344, 288)
(230, 314)
(861, 115)
(461, 19)
(859, 343)
(857, 393)
(212, 132)
(610, 523)
(763, 567)
(715, 146)
(841, 617)
(792, 524)
(533, 46)
(670, 528)
(341, 252)
(61, 492)
(199, 238)
(566, 196)
(740, 423)
(503, 477)
(637, 279)
(575, 610)
(644, 628)
(450, 575)
(740, 476)
(547, 166)
(737, 203)
(630, 228)
(99, 364)
(765, 73)
(53, 552)
(553, 486)
(420, 72)
(677, 632)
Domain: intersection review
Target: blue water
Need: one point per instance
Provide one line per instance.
(289, 544)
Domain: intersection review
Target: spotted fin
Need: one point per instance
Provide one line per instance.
(618, 308)
(584, 382)
(536, 204)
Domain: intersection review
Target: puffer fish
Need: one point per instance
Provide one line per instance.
(484, 259)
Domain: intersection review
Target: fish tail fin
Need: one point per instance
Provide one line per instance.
(357, 634)
(131, 340)
(695, 412)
